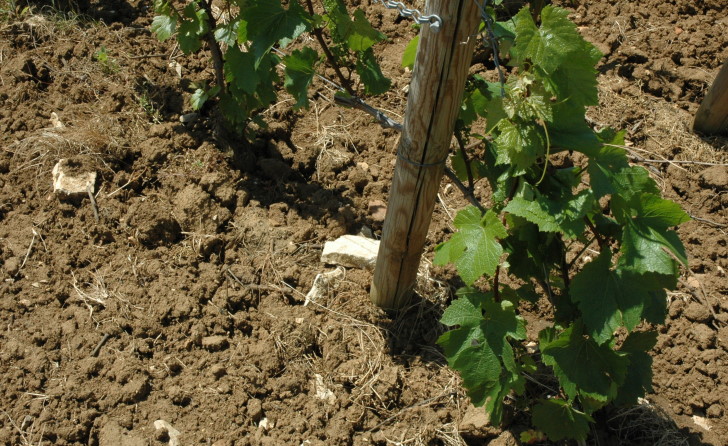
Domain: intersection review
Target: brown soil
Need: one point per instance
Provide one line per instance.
(193, 264)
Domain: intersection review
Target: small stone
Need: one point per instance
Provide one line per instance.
(323, 392)
(321, 283)
(352, 251)
(697, 312)
(702, 422)
(69, 182)
(56, 121)
(188, 118)
(715, 411)
(172, 433)
(215, 343)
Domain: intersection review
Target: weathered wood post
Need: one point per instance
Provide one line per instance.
(435, 94)
(712, 115)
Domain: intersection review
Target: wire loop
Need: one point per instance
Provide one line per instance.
(433, 20)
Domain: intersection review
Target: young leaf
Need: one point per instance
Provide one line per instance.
(410, 53)
(164, 26)
(474, 249)
(299, 74)
(198, 99)
(563, 215)
(269, 23)
(559, 420)
(240, 70)
(519, 144)
(602, 168)
(371, 73)
(549, 45)
(360, 35)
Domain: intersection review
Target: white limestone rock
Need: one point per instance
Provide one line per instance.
(71, 182)
(352, 251)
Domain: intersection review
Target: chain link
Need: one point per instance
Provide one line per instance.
(433, 20)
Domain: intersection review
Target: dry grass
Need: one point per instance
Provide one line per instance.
(658, 129)
(100, 140)
(29, 432)
(93, 294)
(646, 423)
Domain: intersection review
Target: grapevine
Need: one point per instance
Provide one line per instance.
(558, 189)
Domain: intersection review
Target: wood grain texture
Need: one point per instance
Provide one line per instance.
(435, 94)
(712, 116)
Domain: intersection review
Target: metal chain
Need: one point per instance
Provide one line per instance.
(433, 20)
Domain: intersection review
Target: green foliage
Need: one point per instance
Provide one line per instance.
(246, 50)
(542, 218)
(108, 64)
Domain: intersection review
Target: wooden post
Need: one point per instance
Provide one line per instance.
(435, 94)
(712, 115)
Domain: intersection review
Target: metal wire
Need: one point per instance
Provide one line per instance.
(433, 20)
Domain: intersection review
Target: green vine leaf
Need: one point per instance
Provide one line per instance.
(358, 33)
(646, 236)
(550, 45)
(299, 74)
(608, 299)
(227, 33)
(602, 169)
(269, 23)
(371, 73)
(192, 28)
(410, 53)
(519, 144)
(479, 348)
(474, 249)
(558, 420)
(240, 71)
(584, 367)
(164, 27)
(565, 215)
(639, 374)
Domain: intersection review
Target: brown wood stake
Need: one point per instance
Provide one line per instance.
(435, 94)
(712, 115)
